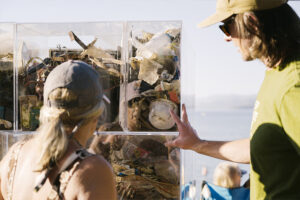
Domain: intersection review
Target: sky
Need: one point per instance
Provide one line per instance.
(210, 66)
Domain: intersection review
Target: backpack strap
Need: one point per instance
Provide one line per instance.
(67, 170)
(64, 175)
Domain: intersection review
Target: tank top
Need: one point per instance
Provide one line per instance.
(61, 181)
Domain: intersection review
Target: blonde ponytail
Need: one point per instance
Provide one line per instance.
(52, 139)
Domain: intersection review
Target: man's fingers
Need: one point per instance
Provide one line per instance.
(184, 114)
(170, 144)
(176, 118)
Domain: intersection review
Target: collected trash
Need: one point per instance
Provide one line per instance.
(29, 112)
(141, 85)
(153, 81)
(7, 124)
(144, 167)
(6, 91)
(35, 71)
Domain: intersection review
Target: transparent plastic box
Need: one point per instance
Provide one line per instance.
(6, 76)
(139, 66)
(41, 47)
(152, 76)
(8, 138)
(143, 166)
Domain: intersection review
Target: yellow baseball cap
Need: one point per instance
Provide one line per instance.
(226, 8)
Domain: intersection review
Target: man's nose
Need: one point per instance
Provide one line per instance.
(227, 38)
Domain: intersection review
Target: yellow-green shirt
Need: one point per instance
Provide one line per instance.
(275, 136)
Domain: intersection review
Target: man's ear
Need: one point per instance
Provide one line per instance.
(251, 19)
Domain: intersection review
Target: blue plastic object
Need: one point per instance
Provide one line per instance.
(188, 191)
(221, 193)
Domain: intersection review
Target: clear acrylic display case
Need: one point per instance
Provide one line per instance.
(144, 167)
(41, 47)
(6, 76)
(8, 138)
(152, 76)
(139, 66)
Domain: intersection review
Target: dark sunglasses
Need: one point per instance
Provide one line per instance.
(224, 27)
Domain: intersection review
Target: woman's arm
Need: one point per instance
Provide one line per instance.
(236, 151)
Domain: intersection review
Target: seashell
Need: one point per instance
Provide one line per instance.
(159, 115)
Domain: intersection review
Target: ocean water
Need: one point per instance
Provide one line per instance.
(214, 125)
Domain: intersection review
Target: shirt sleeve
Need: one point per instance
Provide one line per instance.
(290, 116)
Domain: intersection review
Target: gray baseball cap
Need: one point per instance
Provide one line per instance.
(78, 77)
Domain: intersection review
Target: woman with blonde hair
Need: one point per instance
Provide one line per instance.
(54, 164)
(227, 175)
(226, 184)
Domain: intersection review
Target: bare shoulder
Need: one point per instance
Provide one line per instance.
(94, 164)
(93, 179)
(94, 169)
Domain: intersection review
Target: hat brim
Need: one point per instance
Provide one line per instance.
(215, 18)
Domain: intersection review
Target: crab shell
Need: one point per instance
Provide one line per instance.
(159, 115)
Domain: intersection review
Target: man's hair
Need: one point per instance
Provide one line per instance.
(275, 35)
